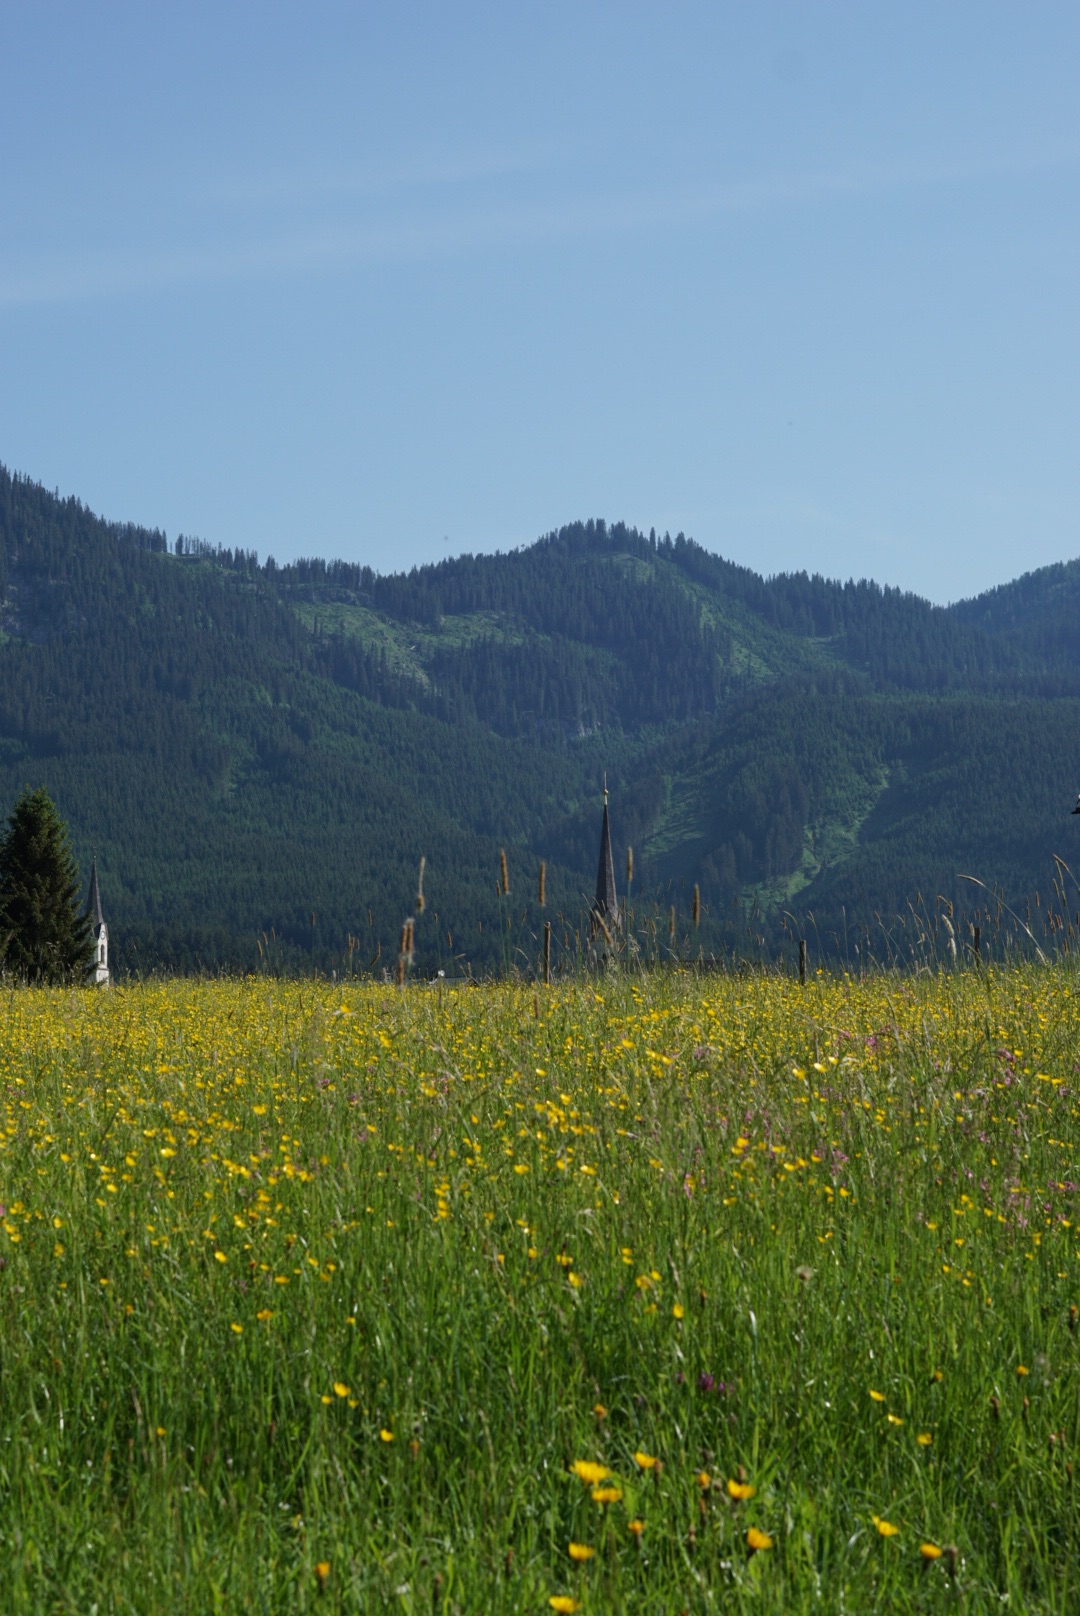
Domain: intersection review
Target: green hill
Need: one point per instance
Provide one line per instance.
(250, 745)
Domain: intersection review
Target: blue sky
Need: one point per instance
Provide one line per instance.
(391, 282)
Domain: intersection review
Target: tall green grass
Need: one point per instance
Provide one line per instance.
(701, 1221)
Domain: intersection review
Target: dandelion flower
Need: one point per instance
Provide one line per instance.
(924, 1439)
(894, 1419)
(886, 1528)
(386, 1436)
(703, 1479)
(678, 1311)
(322, 1571)
(237, 1329)
(580, 1551)
(636, 1527)
(340, 1389)
(590, 1473)
(756, 1540)
(1022, 1369)
(929, 1551)
(606, 1495)
(600, 1411)
(740, 1489)
(645, 1461)
(879, 1397)
(564, 1602)
(264, 1315)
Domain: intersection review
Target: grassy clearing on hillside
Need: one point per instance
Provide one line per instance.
(314, 1299)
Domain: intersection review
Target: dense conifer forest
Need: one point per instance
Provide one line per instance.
(261, 754)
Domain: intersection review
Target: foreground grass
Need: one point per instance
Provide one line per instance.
(311, 1298)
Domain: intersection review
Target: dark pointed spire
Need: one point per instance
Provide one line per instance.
(606, 903)
(93, 900)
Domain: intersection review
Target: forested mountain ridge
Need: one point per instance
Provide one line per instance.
(251, 745)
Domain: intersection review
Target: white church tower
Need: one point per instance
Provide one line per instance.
(100, 931)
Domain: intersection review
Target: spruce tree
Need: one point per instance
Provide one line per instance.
(45, 936)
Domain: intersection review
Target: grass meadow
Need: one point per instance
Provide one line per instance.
(653, 1293)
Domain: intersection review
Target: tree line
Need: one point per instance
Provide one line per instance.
(251, 744)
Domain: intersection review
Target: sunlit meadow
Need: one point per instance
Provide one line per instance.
(658, 1293)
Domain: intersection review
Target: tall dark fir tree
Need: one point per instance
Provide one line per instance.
(44, 933)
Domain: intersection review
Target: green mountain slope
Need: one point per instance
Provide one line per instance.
(249, 745)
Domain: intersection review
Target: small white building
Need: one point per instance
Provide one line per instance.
(100, 968)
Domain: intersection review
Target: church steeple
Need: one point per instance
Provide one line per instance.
(93, 901)
(98, 928)
(606, 903)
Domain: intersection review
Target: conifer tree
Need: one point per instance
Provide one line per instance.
(44, 935)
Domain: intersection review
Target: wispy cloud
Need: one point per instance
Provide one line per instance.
(436, 208)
